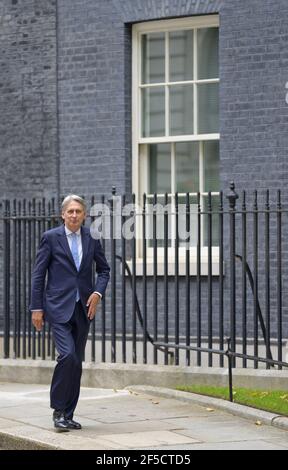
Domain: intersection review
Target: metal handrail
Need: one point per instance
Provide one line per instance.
(229, 354)
(138, 310)
(258, 309)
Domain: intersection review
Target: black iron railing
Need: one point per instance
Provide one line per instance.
(187, 272)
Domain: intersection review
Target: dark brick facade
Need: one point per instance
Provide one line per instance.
(74, 134)
(28, 117)
(95, 87)
(94, 91)
(254, 114)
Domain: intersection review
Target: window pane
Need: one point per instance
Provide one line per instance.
(208, 44)
(181, 55)
(187, 167)
(211, 166)
(181, 110)
(208, 108)
(159, 168)
(153, 58)
(153, 112)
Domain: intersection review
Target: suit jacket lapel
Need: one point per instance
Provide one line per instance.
(85, 236)
(65, 245)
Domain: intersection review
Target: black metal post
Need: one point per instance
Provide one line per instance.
(113, 276)
(177, 318)
(33, 253)
(221, 279)
(6, 278)
(43, 332)
(105, 221)
(230, 369)
(123, 281)
(244, 279)
(134, 300)
(144, 254)
(187, 279)
(24, 306)
(279, 276)
(39, 233)
(19, 270)
(267, 276)
(199, 310)
(166, 310)
(15, 279)
(29, 234)
(93, 326)
(49, 334)
(210, 293)
(155, 280)
(232, 198)
(255, 259)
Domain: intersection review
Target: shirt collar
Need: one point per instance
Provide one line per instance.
(69, 232)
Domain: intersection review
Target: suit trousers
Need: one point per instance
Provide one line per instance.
(70, 341)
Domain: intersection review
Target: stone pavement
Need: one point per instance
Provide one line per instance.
(123, 419)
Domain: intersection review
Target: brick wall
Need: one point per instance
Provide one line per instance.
(254, 71)
(28, 117)
(95, 87)
(93, 62)
(92, 97)
(94, 71)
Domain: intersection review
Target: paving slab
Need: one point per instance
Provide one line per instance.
(242, 445)
(129, 419)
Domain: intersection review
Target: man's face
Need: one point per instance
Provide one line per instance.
(73, 216)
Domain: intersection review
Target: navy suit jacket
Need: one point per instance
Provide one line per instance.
(57, 296)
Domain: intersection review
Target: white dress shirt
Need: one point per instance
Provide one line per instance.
(79, 242)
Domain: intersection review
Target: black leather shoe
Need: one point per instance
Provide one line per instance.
(57, 414)
(73, 424)
(60, 422)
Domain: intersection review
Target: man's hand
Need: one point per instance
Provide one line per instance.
(92, 304)
(38, 319)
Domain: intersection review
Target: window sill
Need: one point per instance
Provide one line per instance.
(171, 267)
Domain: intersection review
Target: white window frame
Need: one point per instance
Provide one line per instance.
(139, 161)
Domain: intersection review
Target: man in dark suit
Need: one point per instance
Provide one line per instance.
(68, 301)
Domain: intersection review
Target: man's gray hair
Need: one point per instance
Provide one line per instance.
(73, 197)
